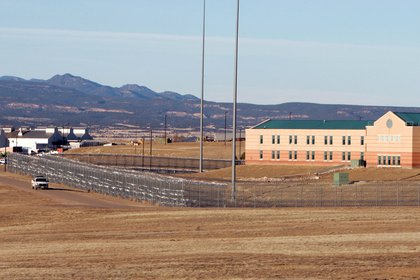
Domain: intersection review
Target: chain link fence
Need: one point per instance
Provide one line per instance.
(170, 191)
(142, 186)
(151, 162)
(323, 194)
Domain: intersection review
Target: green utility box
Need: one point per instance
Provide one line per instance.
(340, 178)
(355, 163)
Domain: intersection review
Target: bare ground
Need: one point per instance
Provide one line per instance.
(51, 235)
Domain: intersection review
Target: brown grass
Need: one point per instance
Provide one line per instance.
(212, 150)
(41, 239)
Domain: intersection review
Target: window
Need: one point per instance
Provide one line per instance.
(343, 156)
(290, 155)
(307, 155)
(295, 139)
(313, 155)
(278, 139)
(278, 154)
(349, 156)
(273, 155)
(331, 140)
(290, 139)
(344, 140)
(325, 154)
(362, 155)
(261, 139)
(331, 155)
(295, 154)
(273, 139)
(325, 140)
(390, 160)
(261, 154)
(362, 140)
(310, 140)
(348, 140)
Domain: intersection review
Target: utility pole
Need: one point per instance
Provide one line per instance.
(200, 167)
(136, 142)
(240, 143)
(142, 156)
(225, 128)
(235, 97)
(165, 130)
(5, 158)
(151, 148)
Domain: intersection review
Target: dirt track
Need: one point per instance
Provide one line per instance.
(64, 195)
(66, 234)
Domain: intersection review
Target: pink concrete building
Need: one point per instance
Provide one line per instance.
(391, 141)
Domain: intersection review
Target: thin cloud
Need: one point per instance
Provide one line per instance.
(69, 34)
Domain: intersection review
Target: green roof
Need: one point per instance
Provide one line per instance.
(313, 124)
(410, 118)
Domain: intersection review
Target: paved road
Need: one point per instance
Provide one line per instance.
(67, 196)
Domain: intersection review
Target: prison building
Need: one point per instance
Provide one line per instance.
(391, 141)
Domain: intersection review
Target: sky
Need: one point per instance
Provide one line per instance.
(323, 51)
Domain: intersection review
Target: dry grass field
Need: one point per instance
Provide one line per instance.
(63, 234)
(211, 150)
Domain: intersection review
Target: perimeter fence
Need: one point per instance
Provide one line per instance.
(171, 191)
(324, 194)
(151, 162)
(142, 186)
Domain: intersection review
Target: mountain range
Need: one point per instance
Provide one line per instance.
(72, 100)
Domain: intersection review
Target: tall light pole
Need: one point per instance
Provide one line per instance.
(200, 168)
(235, 97)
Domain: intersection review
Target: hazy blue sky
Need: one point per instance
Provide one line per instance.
(324, 51)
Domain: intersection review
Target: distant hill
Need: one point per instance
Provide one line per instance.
(71, 100)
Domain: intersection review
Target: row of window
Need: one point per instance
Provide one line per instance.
(389, 160)
(310, 140)
(389, 138)
(310, 155)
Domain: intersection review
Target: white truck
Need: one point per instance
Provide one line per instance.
(39, 182)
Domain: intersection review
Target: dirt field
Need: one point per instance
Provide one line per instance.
(62, 233)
